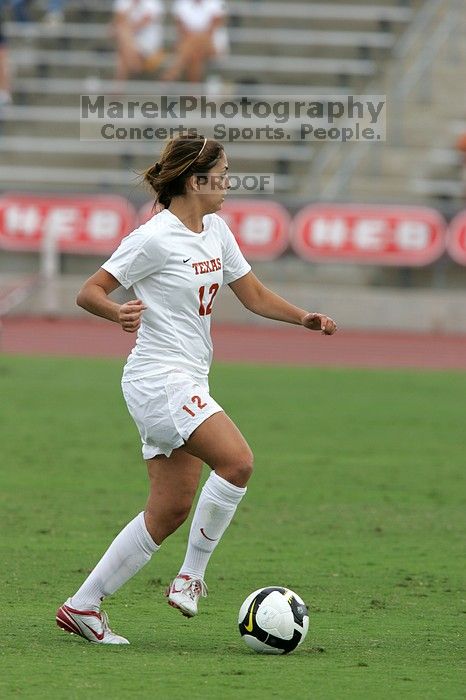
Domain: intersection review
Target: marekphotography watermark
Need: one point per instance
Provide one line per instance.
(265, 119)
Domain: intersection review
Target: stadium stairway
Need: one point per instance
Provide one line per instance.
(426, 104)
(295, 48)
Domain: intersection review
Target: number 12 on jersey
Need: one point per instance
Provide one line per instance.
(206, 308)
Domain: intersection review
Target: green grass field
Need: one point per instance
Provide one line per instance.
(357, 503)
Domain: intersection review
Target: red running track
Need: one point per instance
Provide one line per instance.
(279, 344)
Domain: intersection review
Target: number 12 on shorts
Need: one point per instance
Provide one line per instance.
(198, 402)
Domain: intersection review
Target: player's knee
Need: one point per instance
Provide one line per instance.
(240, 470)
(247, 465)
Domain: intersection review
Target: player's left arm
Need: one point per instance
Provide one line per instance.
(256, 297)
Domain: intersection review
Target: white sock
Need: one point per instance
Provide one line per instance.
(128, 553)
(214, 511)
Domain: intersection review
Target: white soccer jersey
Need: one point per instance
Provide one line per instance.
(177, 274)
(197, 16)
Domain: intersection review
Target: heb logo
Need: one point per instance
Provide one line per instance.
(261, 229)
(87, 224)
(379, 235)
(456, 241)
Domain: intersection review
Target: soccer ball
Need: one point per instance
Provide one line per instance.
(273, 620)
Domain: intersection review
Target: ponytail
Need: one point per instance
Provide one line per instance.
(168, 176)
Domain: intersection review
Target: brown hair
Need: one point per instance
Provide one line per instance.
(182, 157)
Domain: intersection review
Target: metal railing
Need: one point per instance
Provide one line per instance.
(333, 166)
(16, 294)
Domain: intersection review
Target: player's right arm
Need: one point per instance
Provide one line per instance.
(94, 297)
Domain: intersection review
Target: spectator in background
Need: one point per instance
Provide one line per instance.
(138, 32)
(461, 147)
(5, 89)
(202, 36)
(55, 12)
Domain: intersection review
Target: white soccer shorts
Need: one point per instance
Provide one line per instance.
(167, 409)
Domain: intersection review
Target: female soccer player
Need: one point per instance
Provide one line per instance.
(176, 263)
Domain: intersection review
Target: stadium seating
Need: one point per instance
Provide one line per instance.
(276, 49)
(441, 177)
(423, 83)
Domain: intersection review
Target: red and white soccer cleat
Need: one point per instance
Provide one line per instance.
(89, 624)
(184, 593)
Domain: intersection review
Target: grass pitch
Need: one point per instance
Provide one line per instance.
(357, 503)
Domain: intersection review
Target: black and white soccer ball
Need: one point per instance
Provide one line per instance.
(273, 620)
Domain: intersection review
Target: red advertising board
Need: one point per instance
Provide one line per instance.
(456, 240)
(261, 228)
(88, 224)
(379, 235)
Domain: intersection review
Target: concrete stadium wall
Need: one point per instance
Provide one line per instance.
(353, 307)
